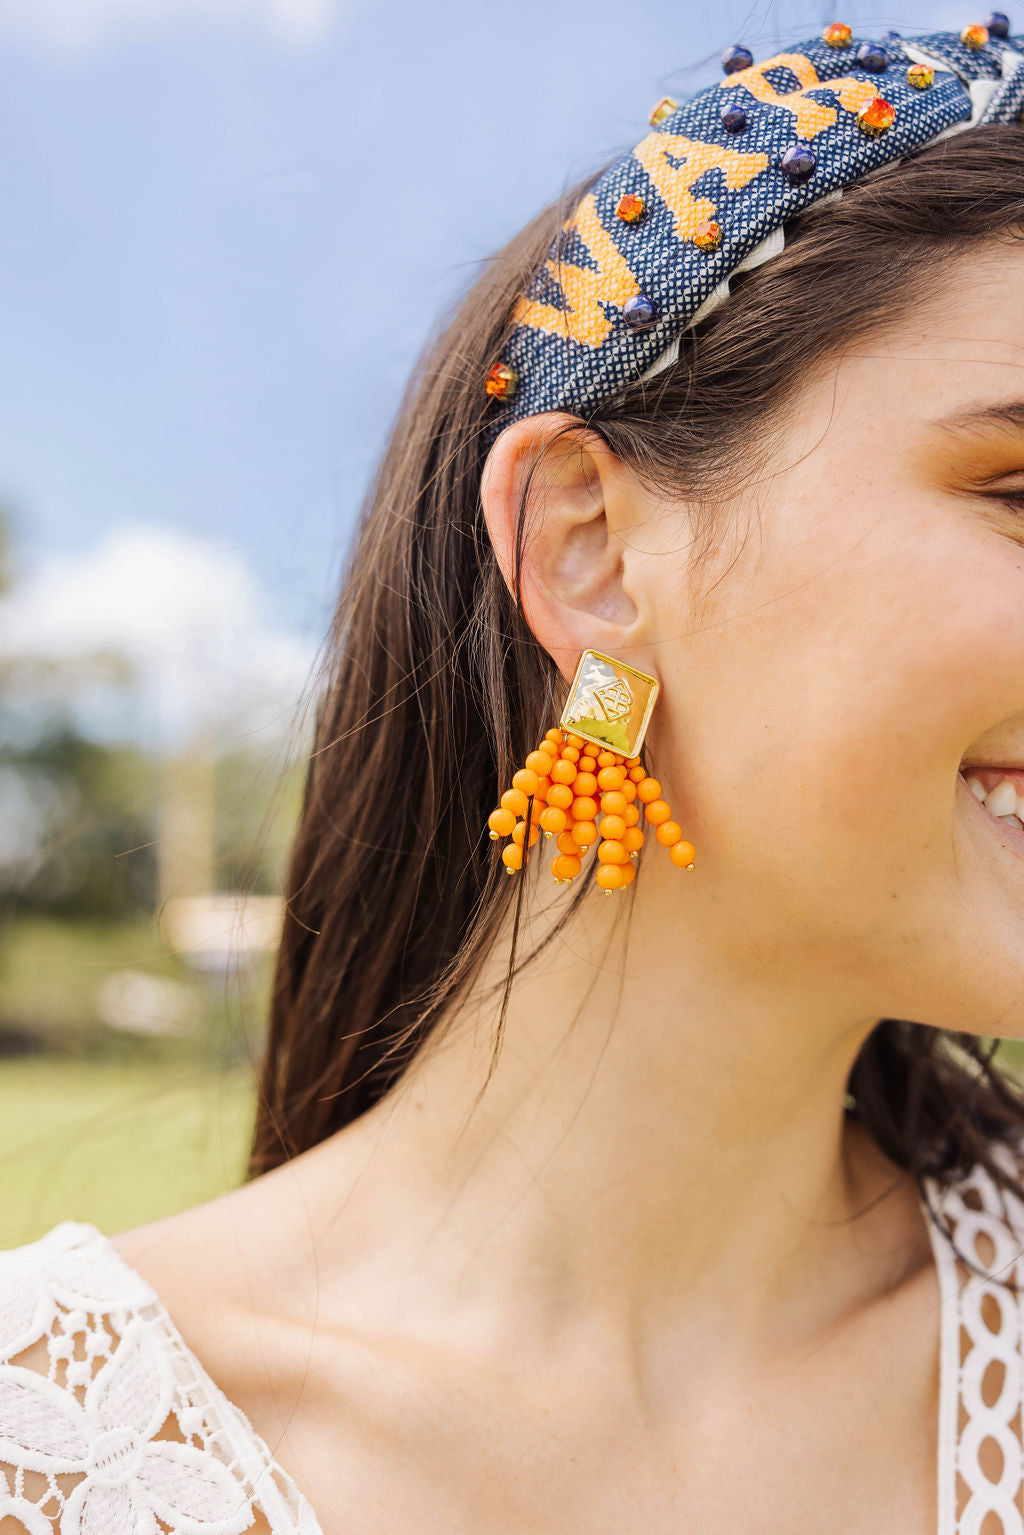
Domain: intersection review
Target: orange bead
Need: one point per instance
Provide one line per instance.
(661, 109)
(629, 790)
(584, 833)
(576, 741)
(632, 839)
(536, 811)
(613, 803)
(658, 811)
(628, 872)
(669, 833)
(514, 800)
(613, 827)
(708, 235)
(611, 852)
(540, 763)
(563, 772)
(526, 780)
(501, 381)
(584, 808)
(585, 783)
(631, 815)
(588, 762)
(512, 857)
(555, 736)
(610, 777)
(501, 823)
(609, 877)
(682, 854)
(570, 754)
(566, 843)
(543, 785)
(637, 774)
(560, 795)
(838, 35)
(648, 789)
(554, 820)
(566, 866)
(876, 117)
(630, 208)
(632, 761)
(519, 833)
(605, 759)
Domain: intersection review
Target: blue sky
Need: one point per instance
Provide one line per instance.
(226, 227)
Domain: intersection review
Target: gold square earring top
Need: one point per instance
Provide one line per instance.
(609, 703)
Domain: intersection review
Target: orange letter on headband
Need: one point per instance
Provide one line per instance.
(811, 116)
(610, 279)
(610, 282)
(674, 182)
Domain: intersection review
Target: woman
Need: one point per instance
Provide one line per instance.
(612, 1204)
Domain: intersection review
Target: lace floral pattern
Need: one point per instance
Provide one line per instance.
(981, 1440)
(108, 1425)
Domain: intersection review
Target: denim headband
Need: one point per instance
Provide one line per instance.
(649, 249)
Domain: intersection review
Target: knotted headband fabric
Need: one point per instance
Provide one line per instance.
(572, 344)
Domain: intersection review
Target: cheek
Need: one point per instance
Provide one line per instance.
(845, 683)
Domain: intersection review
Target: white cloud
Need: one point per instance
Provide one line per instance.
(185, 617)
(76, 24)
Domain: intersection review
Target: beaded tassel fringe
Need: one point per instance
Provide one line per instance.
(583, 796)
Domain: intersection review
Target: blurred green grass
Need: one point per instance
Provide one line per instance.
(1010, 1056)
(117, 1144)
(105, 1125)
(52, 972)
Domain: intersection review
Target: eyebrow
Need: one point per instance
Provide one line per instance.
(1007, 414)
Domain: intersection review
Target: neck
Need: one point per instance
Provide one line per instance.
(664, 1133)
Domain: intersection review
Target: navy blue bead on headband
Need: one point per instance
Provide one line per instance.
(648, 251)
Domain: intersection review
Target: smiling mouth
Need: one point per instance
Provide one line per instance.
(999, 793)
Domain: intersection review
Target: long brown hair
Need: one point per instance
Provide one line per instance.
(434, 687)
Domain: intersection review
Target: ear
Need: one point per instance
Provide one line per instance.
(580, 588)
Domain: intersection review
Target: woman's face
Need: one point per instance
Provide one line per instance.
(864, 644)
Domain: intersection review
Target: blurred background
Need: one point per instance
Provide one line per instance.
(226, 229)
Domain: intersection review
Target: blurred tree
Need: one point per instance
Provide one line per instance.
(81, 826)
(101, 829)
(71, 810)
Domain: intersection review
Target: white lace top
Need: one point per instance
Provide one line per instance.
(109, 1425)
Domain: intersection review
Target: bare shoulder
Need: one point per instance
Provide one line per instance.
(229, 1273)
(239, 1279)
(189, 1248)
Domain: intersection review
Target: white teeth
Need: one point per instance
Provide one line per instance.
(1002, 800)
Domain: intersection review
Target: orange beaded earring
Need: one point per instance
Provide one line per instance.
(589, 767)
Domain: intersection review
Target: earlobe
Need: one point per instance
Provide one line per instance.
(571, 574)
